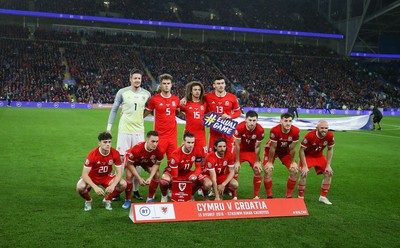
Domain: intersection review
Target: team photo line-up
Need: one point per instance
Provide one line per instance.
(213, 169)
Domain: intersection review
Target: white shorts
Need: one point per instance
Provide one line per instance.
(126, 141)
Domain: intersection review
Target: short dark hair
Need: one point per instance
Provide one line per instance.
(218, 78)
(104, 136)
(151, 133)
(135, 71)
(251, 113)
(164, 76)
(220, 139)
(286, 115)
(188, 135)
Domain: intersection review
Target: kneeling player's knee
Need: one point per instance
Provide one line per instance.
(293, 174)
(129, 177)
(80, 186)
(256, 172)
(164, 182)
(234, 184)
(79, 189)
(267, 176)
(122, 184)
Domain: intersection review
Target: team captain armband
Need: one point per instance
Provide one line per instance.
(215, 122)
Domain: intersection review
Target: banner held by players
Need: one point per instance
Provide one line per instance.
(216, 210)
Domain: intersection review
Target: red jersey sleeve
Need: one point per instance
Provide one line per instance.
(295, 133)
(259, 133)
(129, 154)
(235, 108)
(116, 157)
(274, 133)
(331, 139)
(230, 160)
(89, 160)
(238, 132)
(151, 104)
(209, 162)
(306, 140)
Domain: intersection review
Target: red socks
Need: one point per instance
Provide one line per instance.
(325, 189)
(257, 184)
(152, 188)
(290, 187)
(128, 190)
(268, 187)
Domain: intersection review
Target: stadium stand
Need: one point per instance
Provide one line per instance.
(270, 75)
(36, 61)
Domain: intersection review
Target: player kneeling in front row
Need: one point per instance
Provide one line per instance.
(311, 155)
(219, 171)
(97, 171)
(180, 164)
(148, 155)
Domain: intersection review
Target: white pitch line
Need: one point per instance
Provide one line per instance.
(375, 134)
(392, 125)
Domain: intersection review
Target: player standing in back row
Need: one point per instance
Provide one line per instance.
(224, 104)
(165, 108)
(131, 124)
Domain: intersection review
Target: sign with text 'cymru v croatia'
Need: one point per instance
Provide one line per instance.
(216, 210)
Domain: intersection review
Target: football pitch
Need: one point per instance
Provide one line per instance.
(43, 151)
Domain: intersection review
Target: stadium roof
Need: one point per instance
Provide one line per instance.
(372, 26)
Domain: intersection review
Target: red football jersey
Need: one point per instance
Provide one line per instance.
(184, 161)
(101, 165)
(140, 156)
(315, 145)
(248, 137)
(284, 139)
(226, 104)
(194, 118)
(164, 114)
(219, 164)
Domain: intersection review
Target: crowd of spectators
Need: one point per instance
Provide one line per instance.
(261, 74)
(31, 71)
(266, 14)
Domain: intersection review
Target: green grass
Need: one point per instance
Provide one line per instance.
(42, 154)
